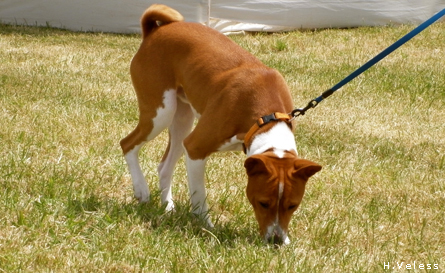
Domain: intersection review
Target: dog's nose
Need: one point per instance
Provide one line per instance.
(276, 235)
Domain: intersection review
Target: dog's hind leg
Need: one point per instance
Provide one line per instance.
(152, 121)
(180, 127)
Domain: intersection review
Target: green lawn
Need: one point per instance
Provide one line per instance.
(66, 200)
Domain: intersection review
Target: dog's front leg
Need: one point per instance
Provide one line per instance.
(196, 181)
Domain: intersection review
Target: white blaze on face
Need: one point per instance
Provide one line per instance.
(275, 228)
(280, 191)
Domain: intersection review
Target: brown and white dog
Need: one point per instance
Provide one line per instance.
(184, 71)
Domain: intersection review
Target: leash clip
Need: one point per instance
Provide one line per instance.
(301, 111)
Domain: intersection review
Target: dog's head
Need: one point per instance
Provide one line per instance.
(275, 189)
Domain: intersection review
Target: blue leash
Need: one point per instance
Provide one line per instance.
(301, 111)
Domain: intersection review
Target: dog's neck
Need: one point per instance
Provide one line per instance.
(278, 138)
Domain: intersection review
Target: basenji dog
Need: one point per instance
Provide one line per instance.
(184, 71)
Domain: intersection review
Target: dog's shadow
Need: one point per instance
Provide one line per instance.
(154, 216)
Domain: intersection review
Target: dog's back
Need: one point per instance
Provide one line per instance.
(208, 67)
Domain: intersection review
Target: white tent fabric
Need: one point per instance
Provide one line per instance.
(122, 16)
(308, 14)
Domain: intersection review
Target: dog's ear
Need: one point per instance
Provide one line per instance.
(305, 168)
(256, 165)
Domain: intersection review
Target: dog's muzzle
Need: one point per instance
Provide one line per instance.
(276, 235)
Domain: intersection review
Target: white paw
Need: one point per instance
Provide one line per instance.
(141, 192)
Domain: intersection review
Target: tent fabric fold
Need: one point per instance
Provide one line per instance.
(224, 15)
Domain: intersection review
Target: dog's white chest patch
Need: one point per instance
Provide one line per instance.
(279, 137)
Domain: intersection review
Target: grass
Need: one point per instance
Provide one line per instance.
(66, 197)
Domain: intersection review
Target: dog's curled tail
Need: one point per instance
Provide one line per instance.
(157, 15)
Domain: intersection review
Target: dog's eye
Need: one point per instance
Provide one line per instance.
(264, 205)
(291, 207)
